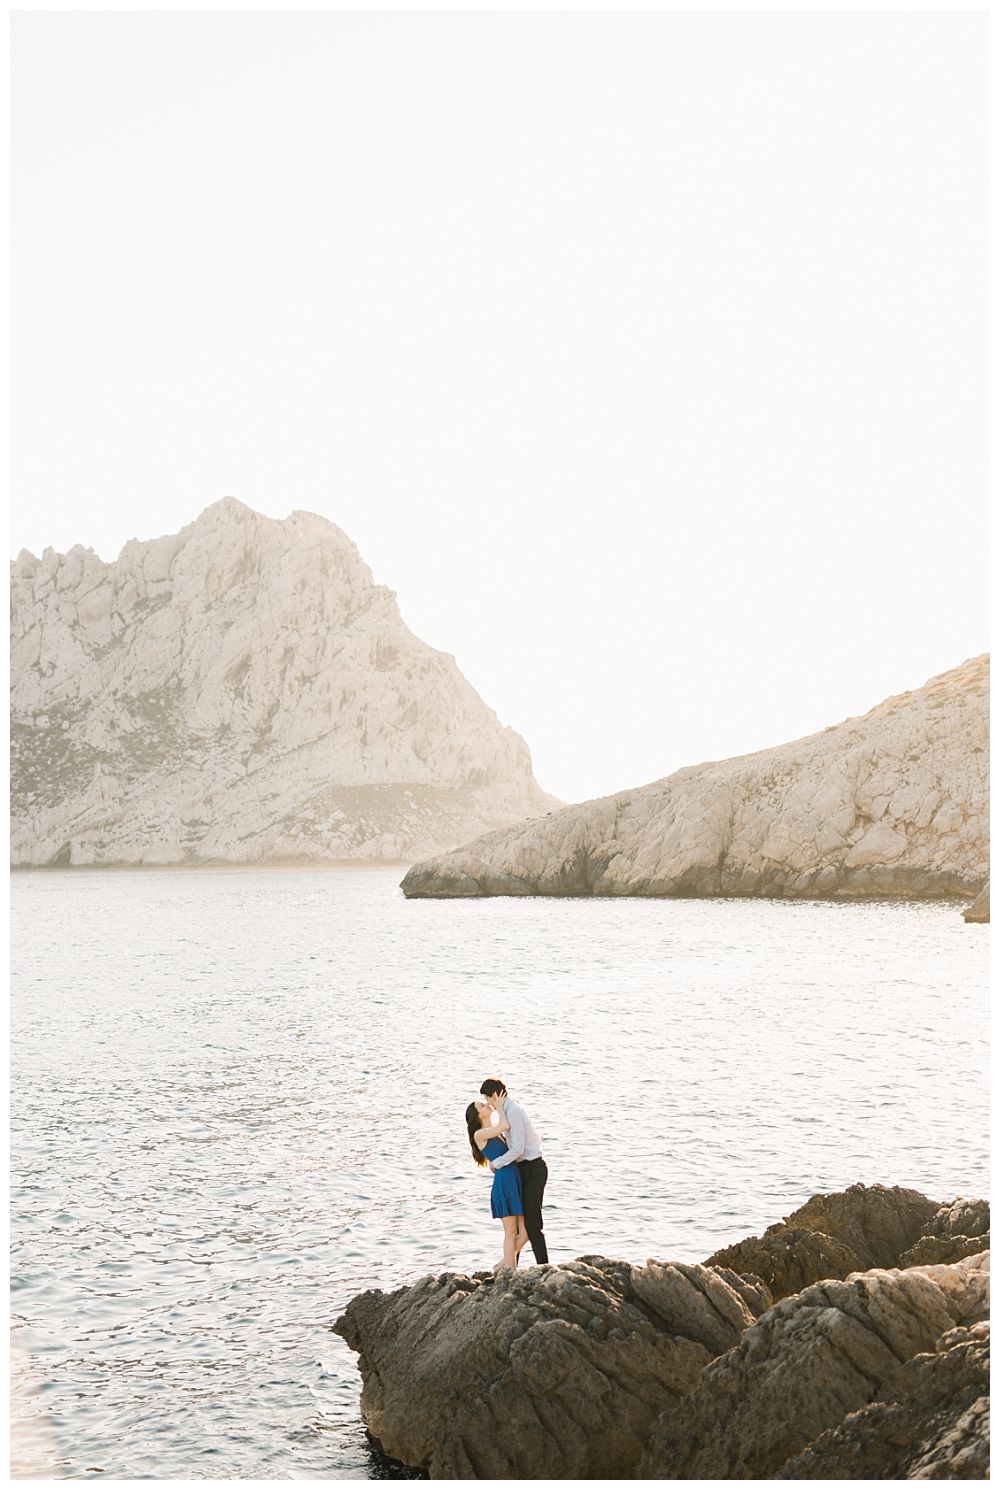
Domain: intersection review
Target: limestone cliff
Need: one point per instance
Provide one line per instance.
(892, 803)
(241, 691)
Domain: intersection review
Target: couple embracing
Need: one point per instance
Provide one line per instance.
(502, 1135)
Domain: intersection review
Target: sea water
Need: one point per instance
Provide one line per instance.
(238, 1100)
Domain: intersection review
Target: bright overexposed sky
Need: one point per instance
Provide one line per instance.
(643, 355)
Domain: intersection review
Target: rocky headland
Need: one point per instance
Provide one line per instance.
(892, 803)
(241, 691)
(849, 1341)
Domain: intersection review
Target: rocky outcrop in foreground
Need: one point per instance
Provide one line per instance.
(241, 691)
(547, 1373)
(892, 803)
(806, 1365)
(599, 1368)
(864, 1227)
(935, 1425)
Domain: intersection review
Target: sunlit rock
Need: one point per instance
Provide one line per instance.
(831, 1236)
(807, 1364)
(241, 691)
(954, 1231)
(892, 803)
(545, 1372)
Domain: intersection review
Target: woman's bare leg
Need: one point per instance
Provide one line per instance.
(509, 1241)
(521, 1236)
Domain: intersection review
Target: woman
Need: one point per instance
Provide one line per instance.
(506, 1194)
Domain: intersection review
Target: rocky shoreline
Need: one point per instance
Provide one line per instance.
(893, 803)
(849, 1340)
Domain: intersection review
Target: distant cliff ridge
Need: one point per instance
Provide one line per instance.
(895, 802)
(242, 691)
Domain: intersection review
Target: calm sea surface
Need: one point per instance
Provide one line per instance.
(238, 1098)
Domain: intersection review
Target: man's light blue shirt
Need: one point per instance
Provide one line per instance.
(522, 1140)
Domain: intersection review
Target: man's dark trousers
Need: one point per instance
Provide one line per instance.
(534, 1173)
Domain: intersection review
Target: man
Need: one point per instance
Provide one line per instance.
(524, 1150)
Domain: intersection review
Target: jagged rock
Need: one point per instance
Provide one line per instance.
(788, 1258)
(979, 910)
(878, 1222)
(552, 1372)
(892, 803)
(241, 691)
(935, 1428)
(806, 1364)
(831, 1236)
(953, 1232)
(578, 1356)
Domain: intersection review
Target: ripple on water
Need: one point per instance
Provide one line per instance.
(241, 1103)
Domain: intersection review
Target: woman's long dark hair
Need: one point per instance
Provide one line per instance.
(473, 1124)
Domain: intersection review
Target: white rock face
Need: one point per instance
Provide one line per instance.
(892, 803)
(242, 691)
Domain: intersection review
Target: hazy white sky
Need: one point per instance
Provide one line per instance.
(644, 356)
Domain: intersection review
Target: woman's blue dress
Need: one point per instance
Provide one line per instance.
(506, 1195)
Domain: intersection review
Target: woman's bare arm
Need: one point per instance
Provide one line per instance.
(483, 1135)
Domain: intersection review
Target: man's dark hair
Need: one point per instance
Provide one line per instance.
(493, 1087)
